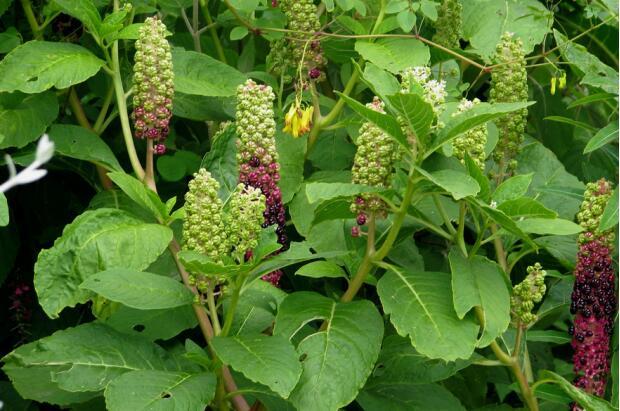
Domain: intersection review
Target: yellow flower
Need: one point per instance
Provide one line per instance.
(553, 80)
(562, 84)
(297, 120)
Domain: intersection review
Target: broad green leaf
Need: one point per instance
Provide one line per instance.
(4, 210)
(555, 226)
(477, 115)
(337, 360)
(321, 269)
(609, 219)
(551, 184)
(292, 152)
(78, 142)
(394, 55)
(504, 221)
(588, 401)
(384, 121)
(327, 191)
(176, 166)
(202, 75)
(479, 282)
(459, 185)
(155, 390)
(548, 336)
(417, 114)
(95, 241)
(202, 108)
(256, 309)
(595, 72)
(562, 248)
(153, 324)
(136, 289)
(484, 22)
(4, 5)
(221, 161)
(25, 118)
(138, 192)
(525, 207)
(416, 303)
(604, 136)
(197, 262)
(83, 10)
(334, 209)
(480, 177)
(36, 66)
(269, 360)
(558, 298)
(66, 366)
(408, 396)
(381, 82)
(406, 19)
(9, 39)
(513, 188)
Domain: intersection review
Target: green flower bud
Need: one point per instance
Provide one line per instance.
(244, 219)
(509, 85)
(449, 24)
(527, 293)
(595, 199)
(472, 141)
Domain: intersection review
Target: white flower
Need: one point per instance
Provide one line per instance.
(44, 152)
(493, 204)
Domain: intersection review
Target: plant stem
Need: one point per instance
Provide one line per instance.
(213, 311)
(460, 233)
(443, 214)
(432, 227)
(499, 248)
(213, 31)
(32, 20)
(365, 265)
(230, 313)
(149, 176)
(517, 347)
(97, 127)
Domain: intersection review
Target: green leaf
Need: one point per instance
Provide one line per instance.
(95, 241)
(199, 263)
(484, 22)
(138, 192)
(82, 144)
(480, 177)
(406, 19)
(385, 122)
(4, 210)
(591, 98)
(238, 33)
(609, 219)
(160, 390)
(256, 309)
(588, 401)
(416, 112)
(9, 39)
(479, 282)
(36, 66)
(459, 185)
(327, 191)
(562, 248)
(571, 122)
(136, 289)
(558, 298)
(4, 6)
(604, 136)
(334, 209)
(477, 115)
(221, 161)
(595, 72)
(408, 396)
(555, 226)
(202, 75)
(393, 54)
(25, 118)
(321, 269)
(292, 152)
(152, 324)
(505, 222)
(337, 360)
(381, 82)
(548, 336)
(525, 207)
(513, 188)
(416, 303)
(72, 364)
(269, 360)
(83, 10)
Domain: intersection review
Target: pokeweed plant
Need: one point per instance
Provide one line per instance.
(403, 205)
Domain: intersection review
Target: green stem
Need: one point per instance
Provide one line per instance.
(230, 314)
(213, 31)
(366, 264)
(499, 248)
(213, 311)
(149, 175)
(460, 233)
(432, 227)
(443, 214)
(32, 20)
(107, 100)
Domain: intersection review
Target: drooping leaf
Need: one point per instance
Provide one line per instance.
(479, 282)
(337, 360)
(95, 241)
(82, 144)
(525, 207)
(610, 216)
(136, 289)
(160, 390)
(416, 302)
(269, 360)
(504, 221)
(152, 324)
(25, 118)
(604, 136)
(321, 269)
(202, 75)
(221, 161)
(394, 55)
(83, 10)
(138, 192)
(37, 65)
(588, 401)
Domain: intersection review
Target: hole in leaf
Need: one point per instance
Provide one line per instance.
(35, 78)
(139, 328)
(303, 357)
(166, 395)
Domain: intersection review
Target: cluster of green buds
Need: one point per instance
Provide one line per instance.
(372, 166)
(527, 293)
(509, 85)
(303, 50)
(473, 141)
(153, 83)
(595, 199)
(244, 219)
(449, 24)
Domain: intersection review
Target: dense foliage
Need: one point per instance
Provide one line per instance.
(311, 205)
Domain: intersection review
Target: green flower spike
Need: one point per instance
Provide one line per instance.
(595, 199)
(527, 293)
(449, 24)
(244, 219)
(472, 141)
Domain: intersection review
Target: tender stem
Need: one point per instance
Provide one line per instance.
(366, 264)
(460, 233)
(213, 310)
(230, 314)
(32, 20)
(213, 31)
(107, 100)
(499, 248)
(443, 214)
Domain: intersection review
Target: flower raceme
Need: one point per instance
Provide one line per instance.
(449, 24)
(473, 141)
(593, 301)
(527, 293)
(153, 82)
(298, 120)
